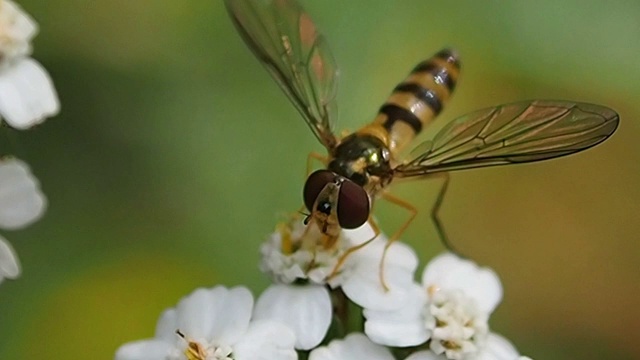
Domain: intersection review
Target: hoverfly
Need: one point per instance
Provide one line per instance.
(361, 165)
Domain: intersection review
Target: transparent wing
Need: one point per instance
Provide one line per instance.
(513, 133)
(284, 38)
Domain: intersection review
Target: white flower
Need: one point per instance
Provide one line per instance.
(496, 348)
(21, 203)
(292, 255)
(296, 258)
(354, 347)
(450, 310)
(27, 95)
(213, 324)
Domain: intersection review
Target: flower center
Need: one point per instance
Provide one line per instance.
(457, 326)
(297, 253)
(197, 351)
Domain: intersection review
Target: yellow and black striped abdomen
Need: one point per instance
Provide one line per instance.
(416, 101)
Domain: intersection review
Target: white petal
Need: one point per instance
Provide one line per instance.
(218, 314)
(145, 350)
(498, 348)
(400, 327)
(359, 235)
(364, 287)
(266, 340)
(304, 309)
(167, 326)
(21, 201)
(425, 355)
(233, 318)
(354, 347)
(447, 271)
(27, 95)
(9, 264)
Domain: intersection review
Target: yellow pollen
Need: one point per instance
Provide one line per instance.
(194, 350)
(285, 234)
(452, 345)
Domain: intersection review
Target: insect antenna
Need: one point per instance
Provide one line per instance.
(307, 217)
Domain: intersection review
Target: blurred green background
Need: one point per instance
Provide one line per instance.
(175, 154)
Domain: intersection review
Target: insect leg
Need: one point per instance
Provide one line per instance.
(351, 250)
(403, 204)
(436, 219)
(315, 156)
(397, 201)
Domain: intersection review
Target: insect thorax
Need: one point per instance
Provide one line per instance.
(363, 159)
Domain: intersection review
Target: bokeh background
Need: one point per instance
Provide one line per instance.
(175, 154)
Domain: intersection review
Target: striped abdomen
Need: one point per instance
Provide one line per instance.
(416, 101)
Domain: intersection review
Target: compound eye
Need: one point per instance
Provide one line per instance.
(353, 205)
(314, 185)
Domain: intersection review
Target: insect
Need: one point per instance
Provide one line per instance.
(361, 165)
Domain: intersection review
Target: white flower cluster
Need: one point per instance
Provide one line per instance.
(27, 98)
(443, 317)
